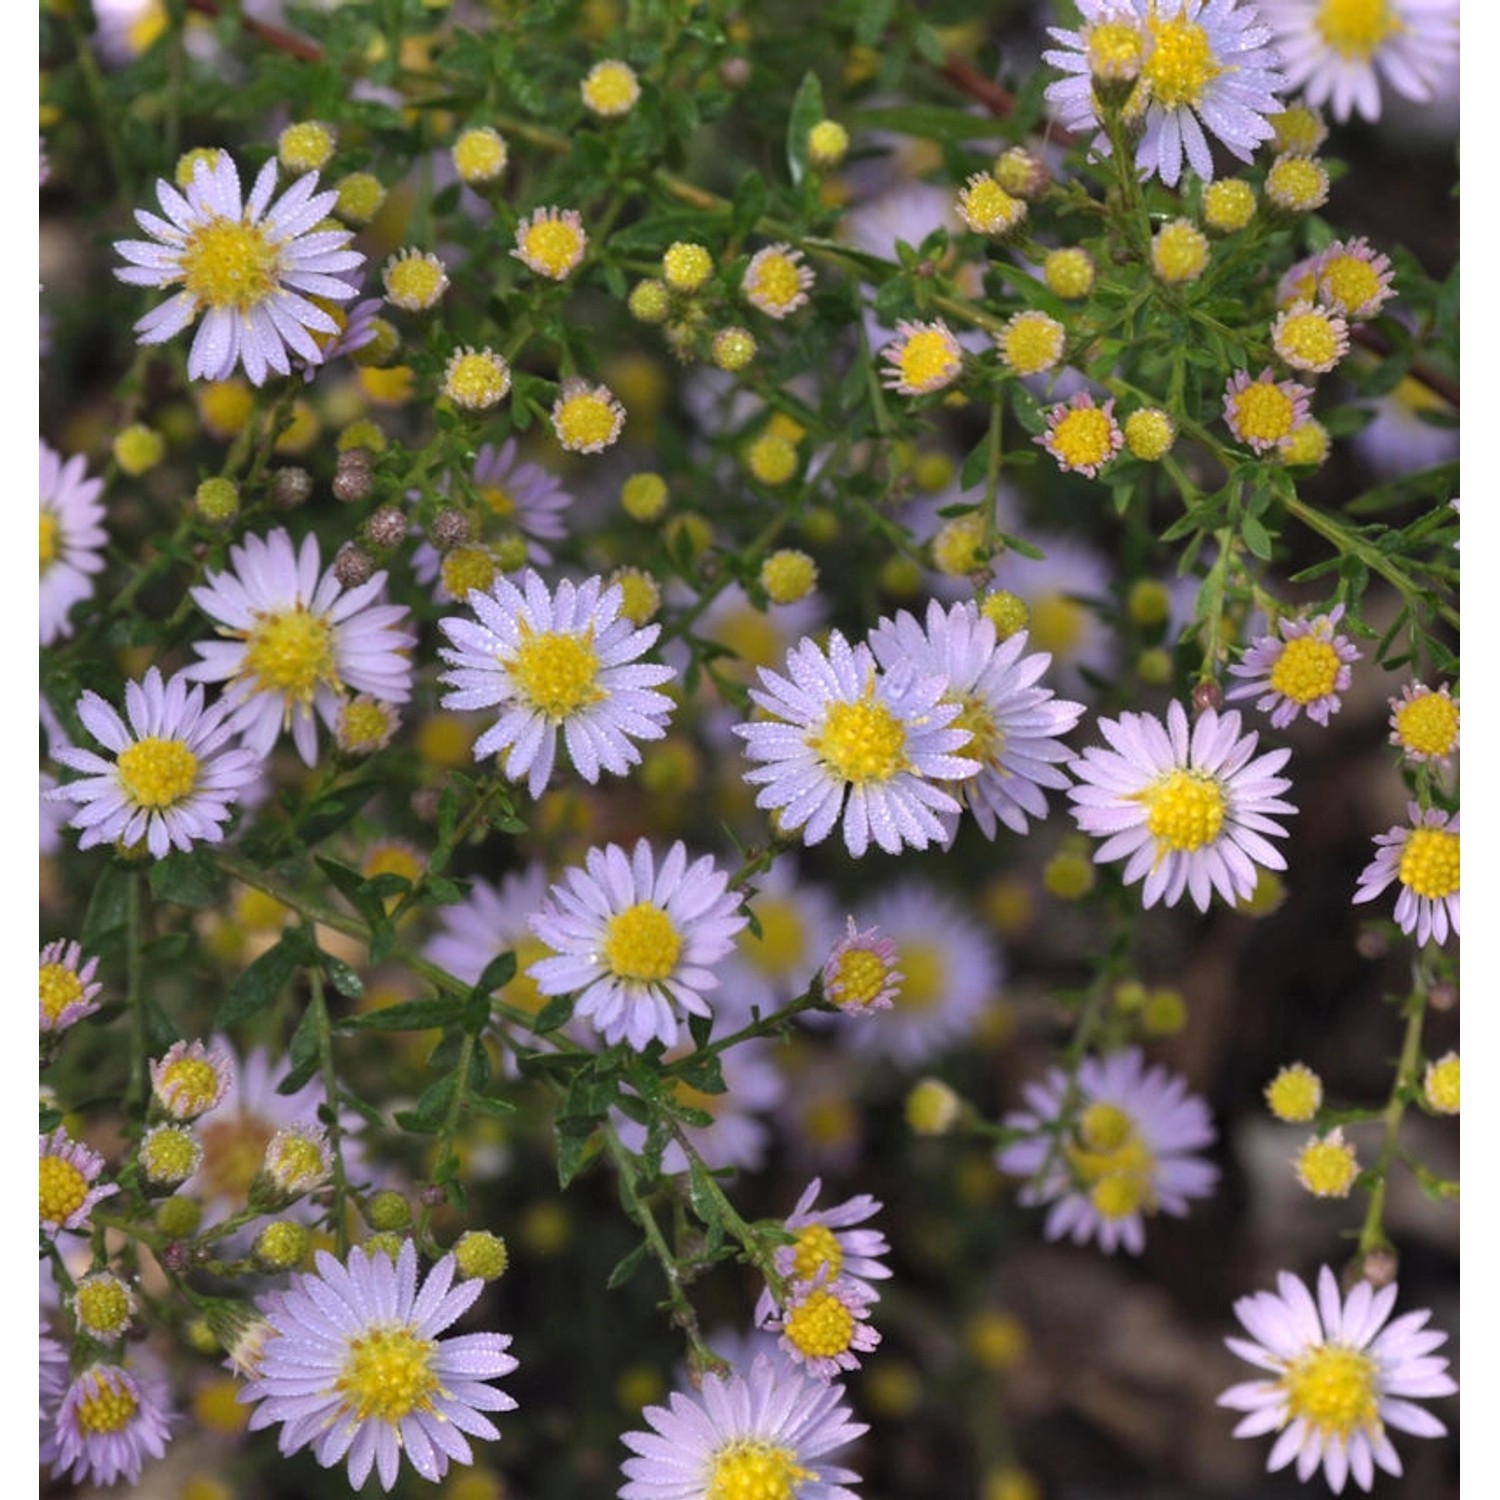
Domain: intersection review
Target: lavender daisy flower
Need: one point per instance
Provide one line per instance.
(769, 1432)
(836, 726)
(862, 973)
(1013, 723)
(111, 1420)
(1308, 667)
(637, 942)
(828, 1238)
(355, 329)
(188, 1080)
(490, 921)
(65, 991)
(354, 1367)
(1110, 1150)
(67, 1184)
(71, 546)
(172, 772)
(824, 1326)
(248, 266)
(1424, 723)
(1340, 1375)
(1189, 812)
(565, 661)
(1263, 413)
(1423, 859)
(299, 642)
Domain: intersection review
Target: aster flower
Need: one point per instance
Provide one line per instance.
(862, 973)
(637, 941)
(354, 1367)
(1012, 722)
(172, 772)
(65, 991)
(1353, 278)
(776, 281)
(1338, 54)
(190, 1079)
(248, 266)
(1263, 413)
(770, 1431)
(298, 642)
(1424, 723)
(1111, 1150)
(923, 357)
(1307, 667)
(67, 1182)
(556, 661)
(1340, 1374)
(825, 1326)
(551, 242)
(828, 1238)
(838, 725)
(586, 418)
(1082, 437)
(71, 545)
(111, 1420)
(1423, 859)
(1309, 337)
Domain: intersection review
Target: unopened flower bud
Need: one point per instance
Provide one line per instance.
(281, 1246)
(353, 484)
(385, 528)
(449, 528)
(291, 488)
(1207, 694)
(734, 72)
(388, 1209)
(481, 1255)
(352, 565)
(217, 501)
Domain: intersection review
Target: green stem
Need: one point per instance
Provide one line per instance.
(331, 1094)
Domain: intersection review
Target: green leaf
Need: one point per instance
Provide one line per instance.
(573, 1137)
(407, 1015)
(48, 1118)
(431, 1109)
(704, 1198)
(342, 977)
(161, 1030)
(191, 879)
(749, 204)
(106, 915)
(329, 813)
(807, 110)
(488, 1104)
(933, 121)
(1257, 538)
(498, 973)
(263, 981)
(874, 17)
(558, 1011)
(626, 1268)
(702, 1073)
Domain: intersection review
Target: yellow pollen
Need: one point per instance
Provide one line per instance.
(782, 944)
(1428, 724)
(467, 568)
(107, 1408)
(924, 976)
(291, 652)
(1181, 64)
(1355, 29)
(229, 264)
(555, 671)
(928, 359)
(387, 1374)
(48, 530)
(776, 281)
(552, 247)
(1263, 412)
(750, 1470)
(1114, 50)
(62, 1189)
(190, 1084)
(1350, 282)
(641, 943)
(1057, 624)
(587, 423)
(1309, 341)
(862, 741)
(1083, 437)
(157, 773)
(860, 977)
(820, 1326)
(1184, 811)
(817, 1246)
(1306, 670)
(60, 988)
(1429, 863)
(1332, 1389)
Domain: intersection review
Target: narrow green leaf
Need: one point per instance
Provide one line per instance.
(262, 982)
(807, 110)
(626, 1268)
(407, 1015)
(191, 879)
(343, 978)
(558, 1011)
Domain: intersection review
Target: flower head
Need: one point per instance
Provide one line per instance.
(190, 1079)
(1082, 437)
(828, 1241)
(1340, 1375)
(111, 1420)
(354, 1366)
(71, 539)
(1031, 342)
(768, 1434)
(1188, 810)
(1306, 665)
(415, 280)
(923, 357)
(825, 1326)
(1263, 412)
(1295, 1094)
(246, 265)
(65, 991)
(298, 642)
(776, 281)
(637, 940)
(1423, 859)
(476, 379)
(480, 154)
(587, 418)
(1424, 723)
(556, 661)
(1326, 1165)
(610, 88)
(1440, 1084)
(67, 1184)
(1353, 278)
(1309, 337)
(1297, 184)
(862, 973)
(1128, 1150)
(1179, 252)
(987, 208)
(551, 242)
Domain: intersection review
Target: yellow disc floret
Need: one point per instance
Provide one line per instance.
(138, 449)
(306, 146)
(59, 987)
(643, 497)
(1327, 1167)
(1429, 863)
(641, 943)
(1150, 433)
(1306, 670)
(1184, 811)
(476, 381)
(1263, 413)
(1182, 62)
(1297, 184)
(751, 1470)
(107, 1406)
(610, 89)
(48, 532)
(788, 575)
(157, 773)
(415, 280)
(1179, 252)
(61, 1189)
(1007, 612)
(1332, 1390)
(987, 208)
(1295, 1094)
(103, 1306)
(1084, 438)
(291, 652)
(1356, 29)
(827, 142)
(860, 976)
(467, 568)
(556, 671)
(188, 1085)
(551, 243)
(229, 264)
(387, 1374)
(1426, 726)
(480, 154)
(1308, 337)
(587, 419)
(1114, 50)
(1069, 272)
(861, 741)
(817, 1246)
(772, 459)
(686, 266)
(821, 1326)
(1031, 342)
(1228, 204)
(361, 195)
(1440, 1085)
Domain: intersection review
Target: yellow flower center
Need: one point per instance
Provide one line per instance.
(750, 1470)
(1263, 412)
(233, 1151)
(1356, 28)
(1114, 50)
(1184, 811)
(103, 1306)
(366, 724)
(1309, 341)
(641, 943)
(860, 976)
(476, 381)
(305, 146)
(60, 988)
(62, 1189)
(1228, 204)
(1295, 182)
(1332, 1389)
(782, 944)
(189, 1084)
(480, 155)
(820, 1326)
(924, 976)
(862, 741)
(171, 1153)
(157, 773)
(1440, 1086)
(928, 359)
(467, 568)
(986, 206)
(610, 88)
(1350, 282)
(229, 264)
(1295, 1094)
(1179, 252)
(1182, 62)
(1084, 436)
(552, 247)
(296, 1161)
(1429, 863)
(291, 652)
(817, 1246)
(415, 282)
(388, 1374)
(685, 266)
(146, 27)
(776, 281)
(107, 1408)
(1033, 343)
(1306, 670)
(499, 500)
(1113, 1163)
(1057, 624)
(1327, 1168)
(49, 529)
(556, 672)
(587, 422)
(1429, 724)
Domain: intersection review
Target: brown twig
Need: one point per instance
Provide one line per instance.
(273, 36)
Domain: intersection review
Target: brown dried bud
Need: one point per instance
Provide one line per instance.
(1372, 943)
(352, 565)
(450, 527)
(734, 72)
(175, 1257)
(291, 487)
(424, 803)
(353, 485)
(1377, 1266)
(356, 458)
(1207, 694)
(1443, 996)
(432, 1196)
(385, 527)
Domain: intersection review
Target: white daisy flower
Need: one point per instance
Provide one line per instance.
(1013, 722)
(1423, 858)
(71, 545)
(769, 1433)
(1189, 811)
(353, 1367)
(550, 661)
(1340, 1374)
(299, 642)
(837, 726)
(637, 942)
(246, 265)
(1111, 1150)
(1339, 51)
(171, 774)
